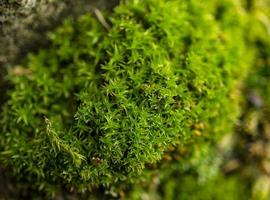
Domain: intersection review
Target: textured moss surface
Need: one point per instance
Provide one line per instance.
(242, 158)
(138, 98)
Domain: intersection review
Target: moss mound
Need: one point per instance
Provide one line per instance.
(109, 98)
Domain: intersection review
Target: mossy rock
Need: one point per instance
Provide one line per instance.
(111, 95)
(25, 23)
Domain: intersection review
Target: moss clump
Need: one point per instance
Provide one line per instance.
(99, 105)
(241, 169)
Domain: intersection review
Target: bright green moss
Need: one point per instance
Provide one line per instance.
(188, 188)
(210, 173)
(98, 106)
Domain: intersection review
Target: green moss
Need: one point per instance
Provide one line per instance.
(188, 188)
(98, 106)
(240, 170)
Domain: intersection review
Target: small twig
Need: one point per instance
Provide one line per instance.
(101, 19)
(265, 21)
